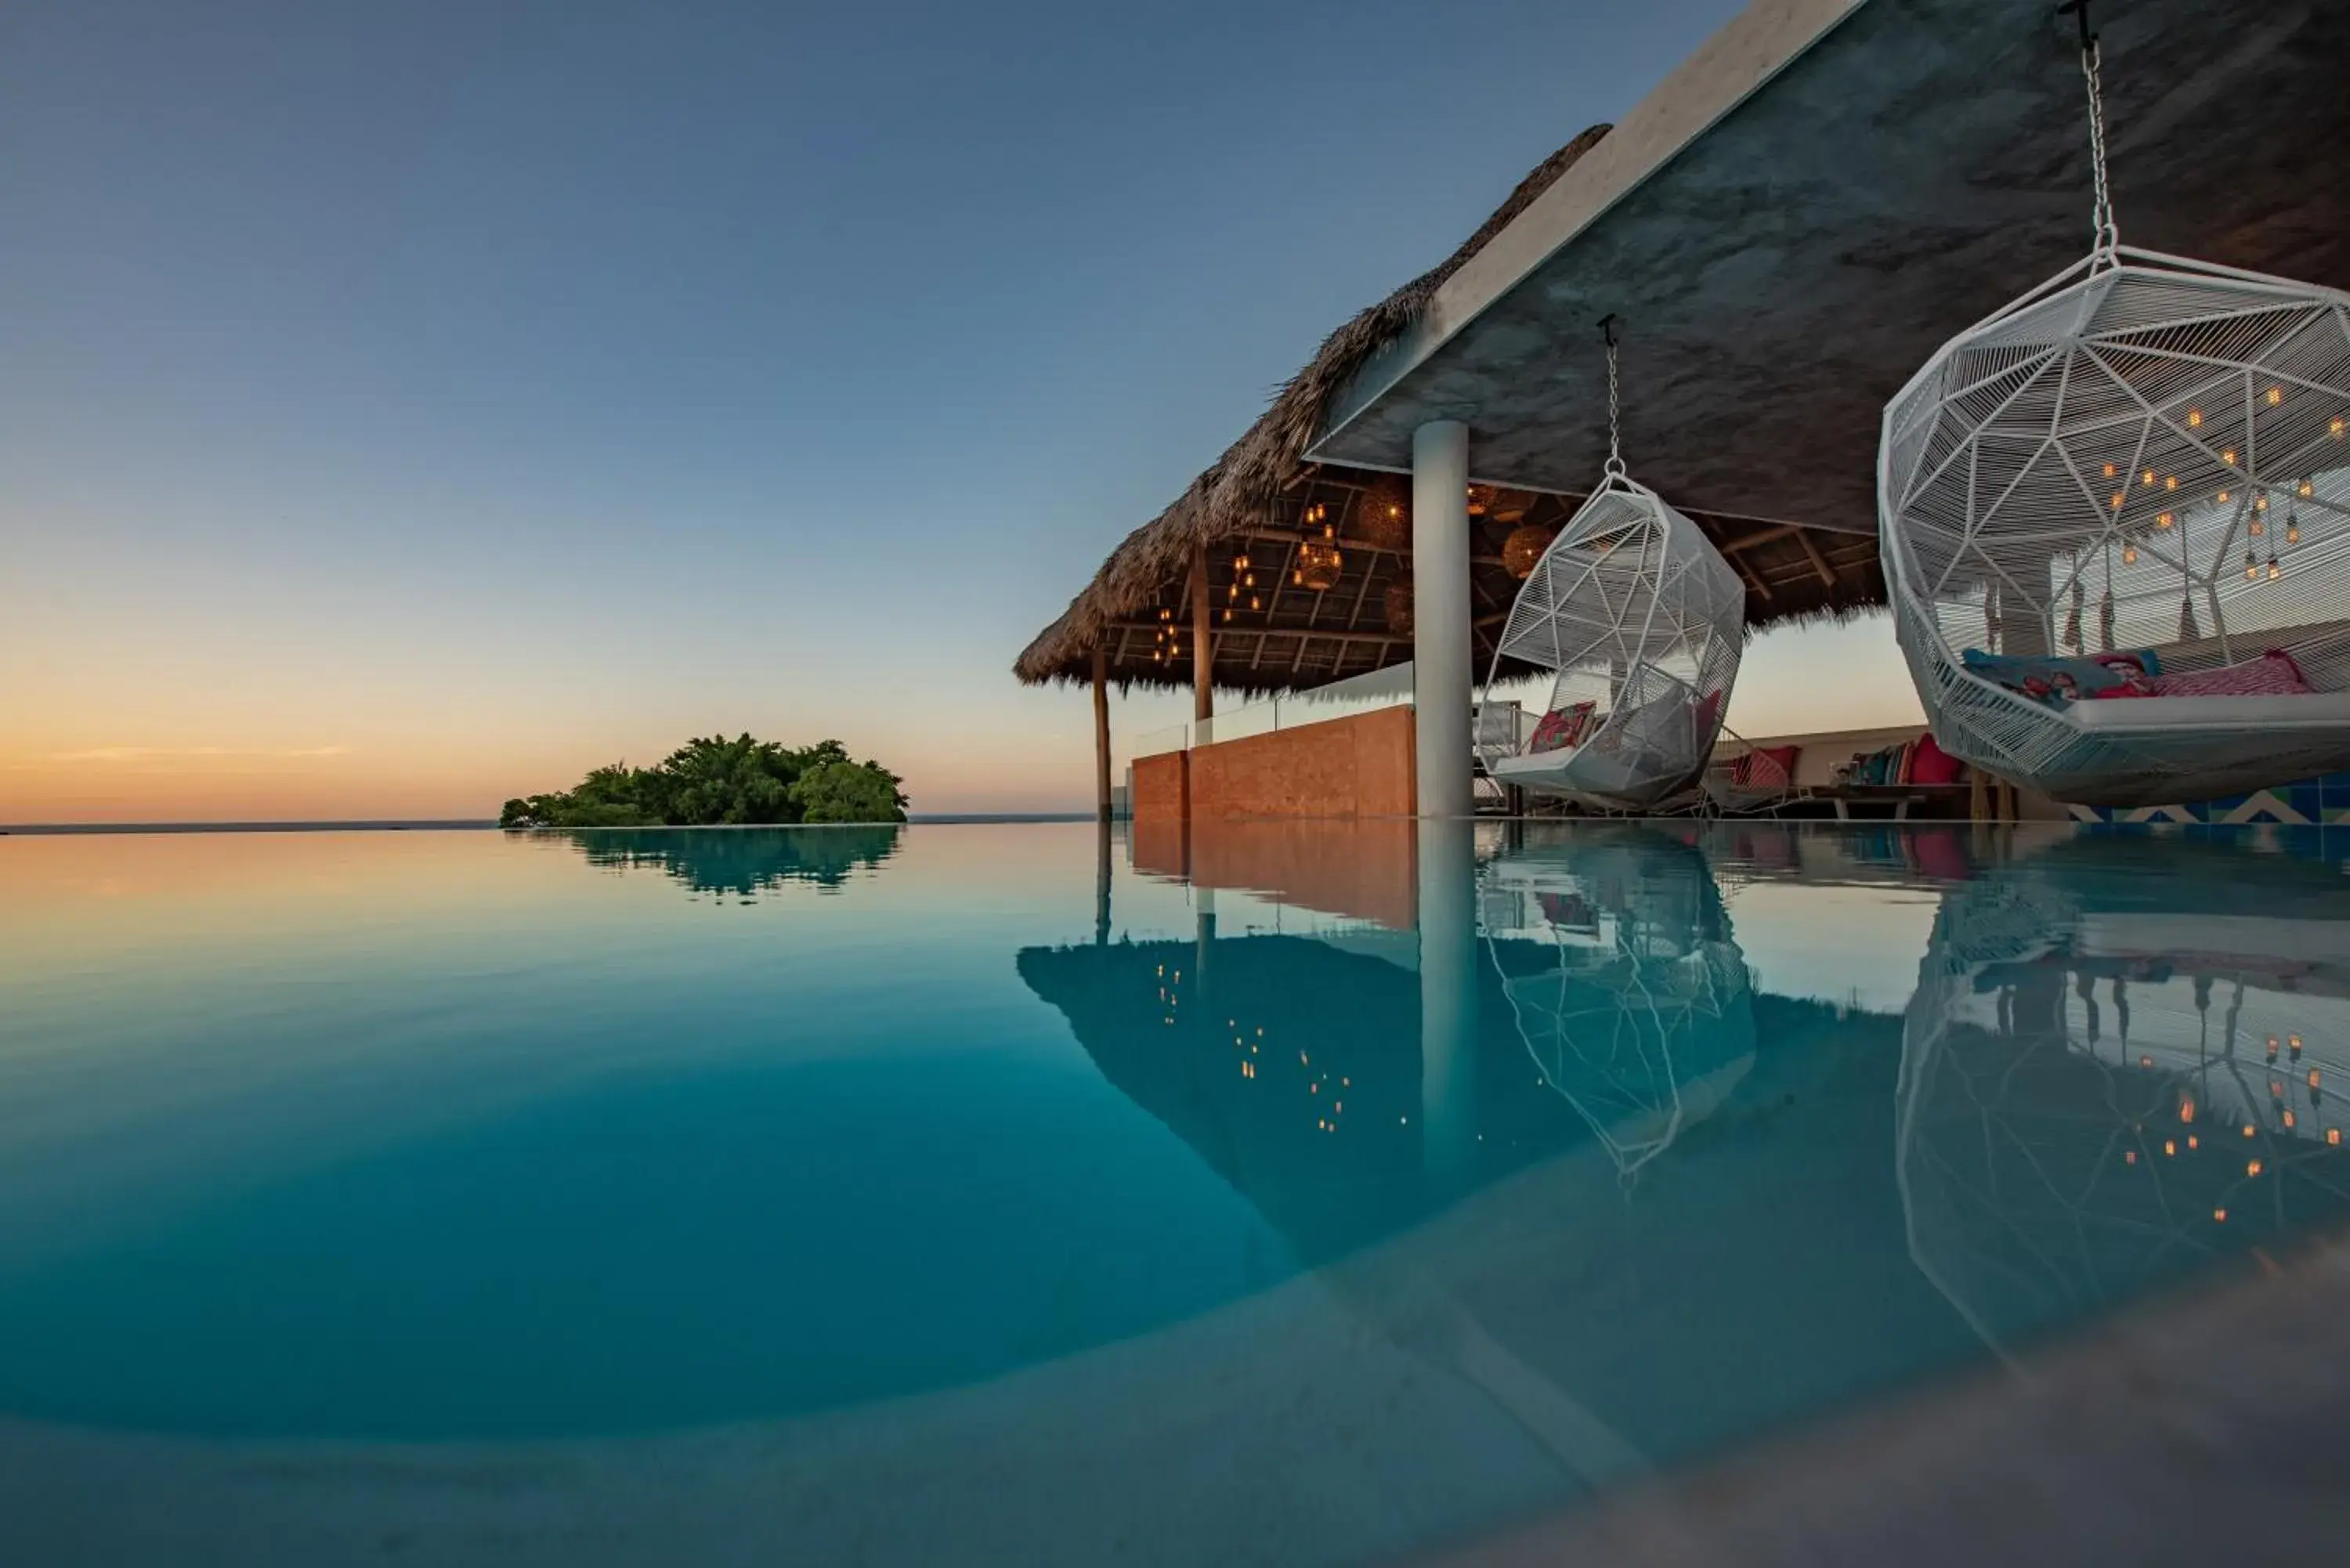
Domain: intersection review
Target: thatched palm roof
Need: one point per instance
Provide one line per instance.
(1256, 492)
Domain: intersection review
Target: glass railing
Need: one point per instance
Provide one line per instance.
(1173, 738)
(1389, 687)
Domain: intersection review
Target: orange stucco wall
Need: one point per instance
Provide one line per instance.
(1360, 765)
(1162, 786)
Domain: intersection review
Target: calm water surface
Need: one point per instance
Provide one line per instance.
(1526, 1160)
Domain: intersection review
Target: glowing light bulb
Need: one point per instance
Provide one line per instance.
(2293, 531)
(2275, 571)
(2224, 498)
(2259, 528)
(2187, 1108)
(2170, 482)
(2109, 467)
(2130, 554)
(2149, 477)
(2247, 1130)
(2261, 502)
(2170, 1148)
(2288, 1118)
(2220, 1215)
(2117, 501)
(2337, 427)
(2252, 1168)
(2194, 419)
(2309, 487)
(2163, 520)
(2229, 457)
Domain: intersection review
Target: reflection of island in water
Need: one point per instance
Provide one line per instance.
(741, 861)
(2125, 1058)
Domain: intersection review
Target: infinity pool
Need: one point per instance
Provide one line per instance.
(1296, 1193)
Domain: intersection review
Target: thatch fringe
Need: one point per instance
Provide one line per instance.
(1237, 490)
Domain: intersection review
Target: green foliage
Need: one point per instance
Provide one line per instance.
(713, 781)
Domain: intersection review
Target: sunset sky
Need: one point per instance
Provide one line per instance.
(408, 406)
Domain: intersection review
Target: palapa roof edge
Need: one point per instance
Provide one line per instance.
(1236, 491)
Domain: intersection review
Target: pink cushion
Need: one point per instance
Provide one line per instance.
(1933, 765)
(2272, 674)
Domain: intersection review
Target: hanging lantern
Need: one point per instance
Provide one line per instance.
(1319, 562)
(1383, 515)
(1522, 550)
(1397, 603)
(1480, 500)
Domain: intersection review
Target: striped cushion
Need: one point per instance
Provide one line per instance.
(2272, 674)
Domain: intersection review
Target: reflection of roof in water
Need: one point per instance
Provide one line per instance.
(2124, 1058)
(737, 861)
(1293, 1071)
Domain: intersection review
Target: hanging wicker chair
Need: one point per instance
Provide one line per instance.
(2132, 480)
(1617, 959)
(1639, 621)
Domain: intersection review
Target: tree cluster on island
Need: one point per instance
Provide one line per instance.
(712, 782)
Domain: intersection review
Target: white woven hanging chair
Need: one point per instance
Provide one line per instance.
(1639, 621)
(2145, 453)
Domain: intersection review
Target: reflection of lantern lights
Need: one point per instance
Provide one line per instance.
(2168, 1147)
(2273, 1047)
(2252, 1168)
(2247, 1130)
(2334, 1136)
(2312, 1078)
(2289, 1122)
(2129, 1156)
(2186, 1107)
(2191, 1142)
(2294, 1041)
(2220, 1215)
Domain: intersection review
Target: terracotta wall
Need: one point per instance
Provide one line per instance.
(1162, 786)
(1357, 766)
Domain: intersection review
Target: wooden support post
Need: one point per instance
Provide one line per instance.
(1101, 733)
(1203, 658)
(1978, 795)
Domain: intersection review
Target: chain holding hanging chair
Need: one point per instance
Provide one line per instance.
(1640, 622)
(2168, 438)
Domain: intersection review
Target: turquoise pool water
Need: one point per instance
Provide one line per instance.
(1565, 1151)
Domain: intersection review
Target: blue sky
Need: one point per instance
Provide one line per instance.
(406, 406)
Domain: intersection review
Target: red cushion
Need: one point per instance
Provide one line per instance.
(1766, 767)
(1561, 728)
(2272, 674)
(1933, 766)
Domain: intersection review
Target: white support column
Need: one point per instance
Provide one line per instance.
(1443, 687)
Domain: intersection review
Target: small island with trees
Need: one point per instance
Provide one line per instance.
(712, 782)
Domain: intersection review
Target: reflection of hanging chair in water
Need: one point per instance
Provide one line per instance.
(1616, 960)
(2109, 1076)
(1638, 621)
(2143, 453)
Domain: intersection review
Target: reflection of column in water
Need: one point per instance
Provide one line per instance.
(1448, 999)
(1204, 907)
(1101, 885)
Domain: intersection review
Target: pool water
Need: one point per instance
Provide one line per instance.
(1534, 1156)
